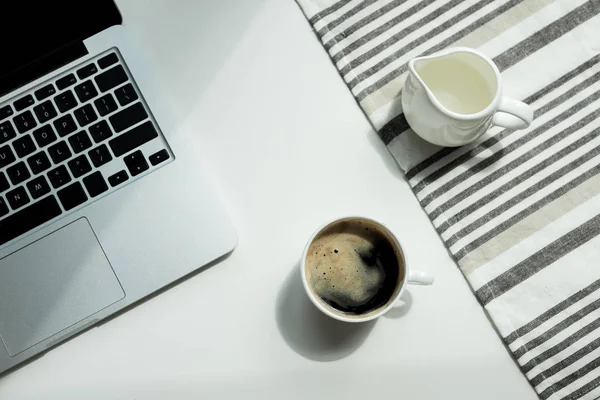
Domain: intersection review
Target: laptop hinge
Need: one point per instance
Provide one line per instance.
(42, 66)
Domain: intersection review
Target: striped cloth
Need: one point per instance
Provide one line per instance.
(518, 210)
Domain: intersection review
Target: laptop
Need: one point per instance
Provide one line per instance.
(102, 196)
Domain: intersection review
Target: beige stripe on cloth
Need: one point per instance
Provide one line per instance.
(392, 90)
(529, 225)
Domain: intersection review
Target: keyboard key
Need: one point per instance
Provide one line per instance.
(86, 71)
(39, 162)
(45, 111)
(95, 184)
(44, 92)
(24, 121)
(111, 78)
(128, 117)
(65, 125)
(72, 196)
(108, 60)
(100, 155)
(134, 138)
(24, 146)
(65, 101)
(66, 81)
(17, 198)
(100, 131)
(86, 91)
(7, 132)
(4, 185)
(44, 135)
(3, 208)
(7, 157)
(80, 142)
(79, 166)
(59, 152)
(105, 104)
(85, 115)
(118, 178)
(38, 187)
(18, 173)
(59, 177)
(159, 157)
(23, 102)
(126, 94)
(28, 219)
(6, 112)
(136, 163)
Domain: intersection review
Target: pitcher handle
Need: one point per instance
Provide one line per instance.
(513, 114)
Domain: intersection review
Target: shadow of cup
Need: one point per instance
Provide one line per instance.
(402, 307)
(308, 331)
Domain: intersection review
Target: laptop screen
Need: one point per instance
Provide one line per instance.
(53, 30)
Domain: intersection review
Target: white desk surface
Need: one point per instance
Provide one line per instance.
(288, 148)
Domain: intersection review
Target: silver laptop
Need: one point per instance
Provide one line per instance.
(102, 199)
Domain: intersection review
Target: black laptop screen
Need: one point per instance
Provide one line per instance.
(51, 30)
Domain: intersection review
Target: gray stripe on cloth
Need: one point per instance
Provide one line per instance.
(558, 28)
(528, 211)
(457, 36)
(564, 79)
(529, 100)
(429, 35)
(538, 261)
(348, 14)
(543, 110)
(585, 389)
(390, 130)
(460, 160)
(341, 37)
(328, 11)
(532, 189)
(521, 178)
(554, 350)
(396, 37)
(358, 43)
(558, 328)
(556, 368)
(429, 161)
(431, 178)
(390, 135)
(563, 305)
(580, 373)
(536, 221)
(548, 34)
(442, 45)
(507, 150)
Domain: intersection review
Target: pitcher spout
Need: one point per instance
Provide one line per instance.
(415, 81)
(458, 82)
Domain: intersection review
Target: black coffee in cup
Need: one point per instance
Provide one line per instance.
(355, 266)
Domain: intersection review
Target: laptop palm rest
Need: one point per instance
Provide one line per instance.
(53, 283)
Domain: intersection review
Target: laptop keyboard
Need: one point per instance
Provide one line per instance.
(72, 140)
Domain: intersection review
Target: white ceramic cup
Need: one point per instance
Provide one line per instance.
(405, 276)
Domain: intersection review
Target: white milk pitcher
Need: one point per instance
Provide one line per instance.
(454, 96)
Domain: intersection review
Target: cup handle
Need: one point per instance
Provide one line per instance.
(419, 278)
(513, 114)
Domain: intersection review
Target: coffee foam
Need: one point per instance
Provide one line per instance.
(337, 263)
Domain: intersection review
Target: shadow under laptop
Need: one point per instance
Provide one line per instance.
(308, 331)
(188, 58)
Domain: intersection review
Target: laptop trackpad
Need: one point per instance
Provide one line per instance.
(52, 284)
